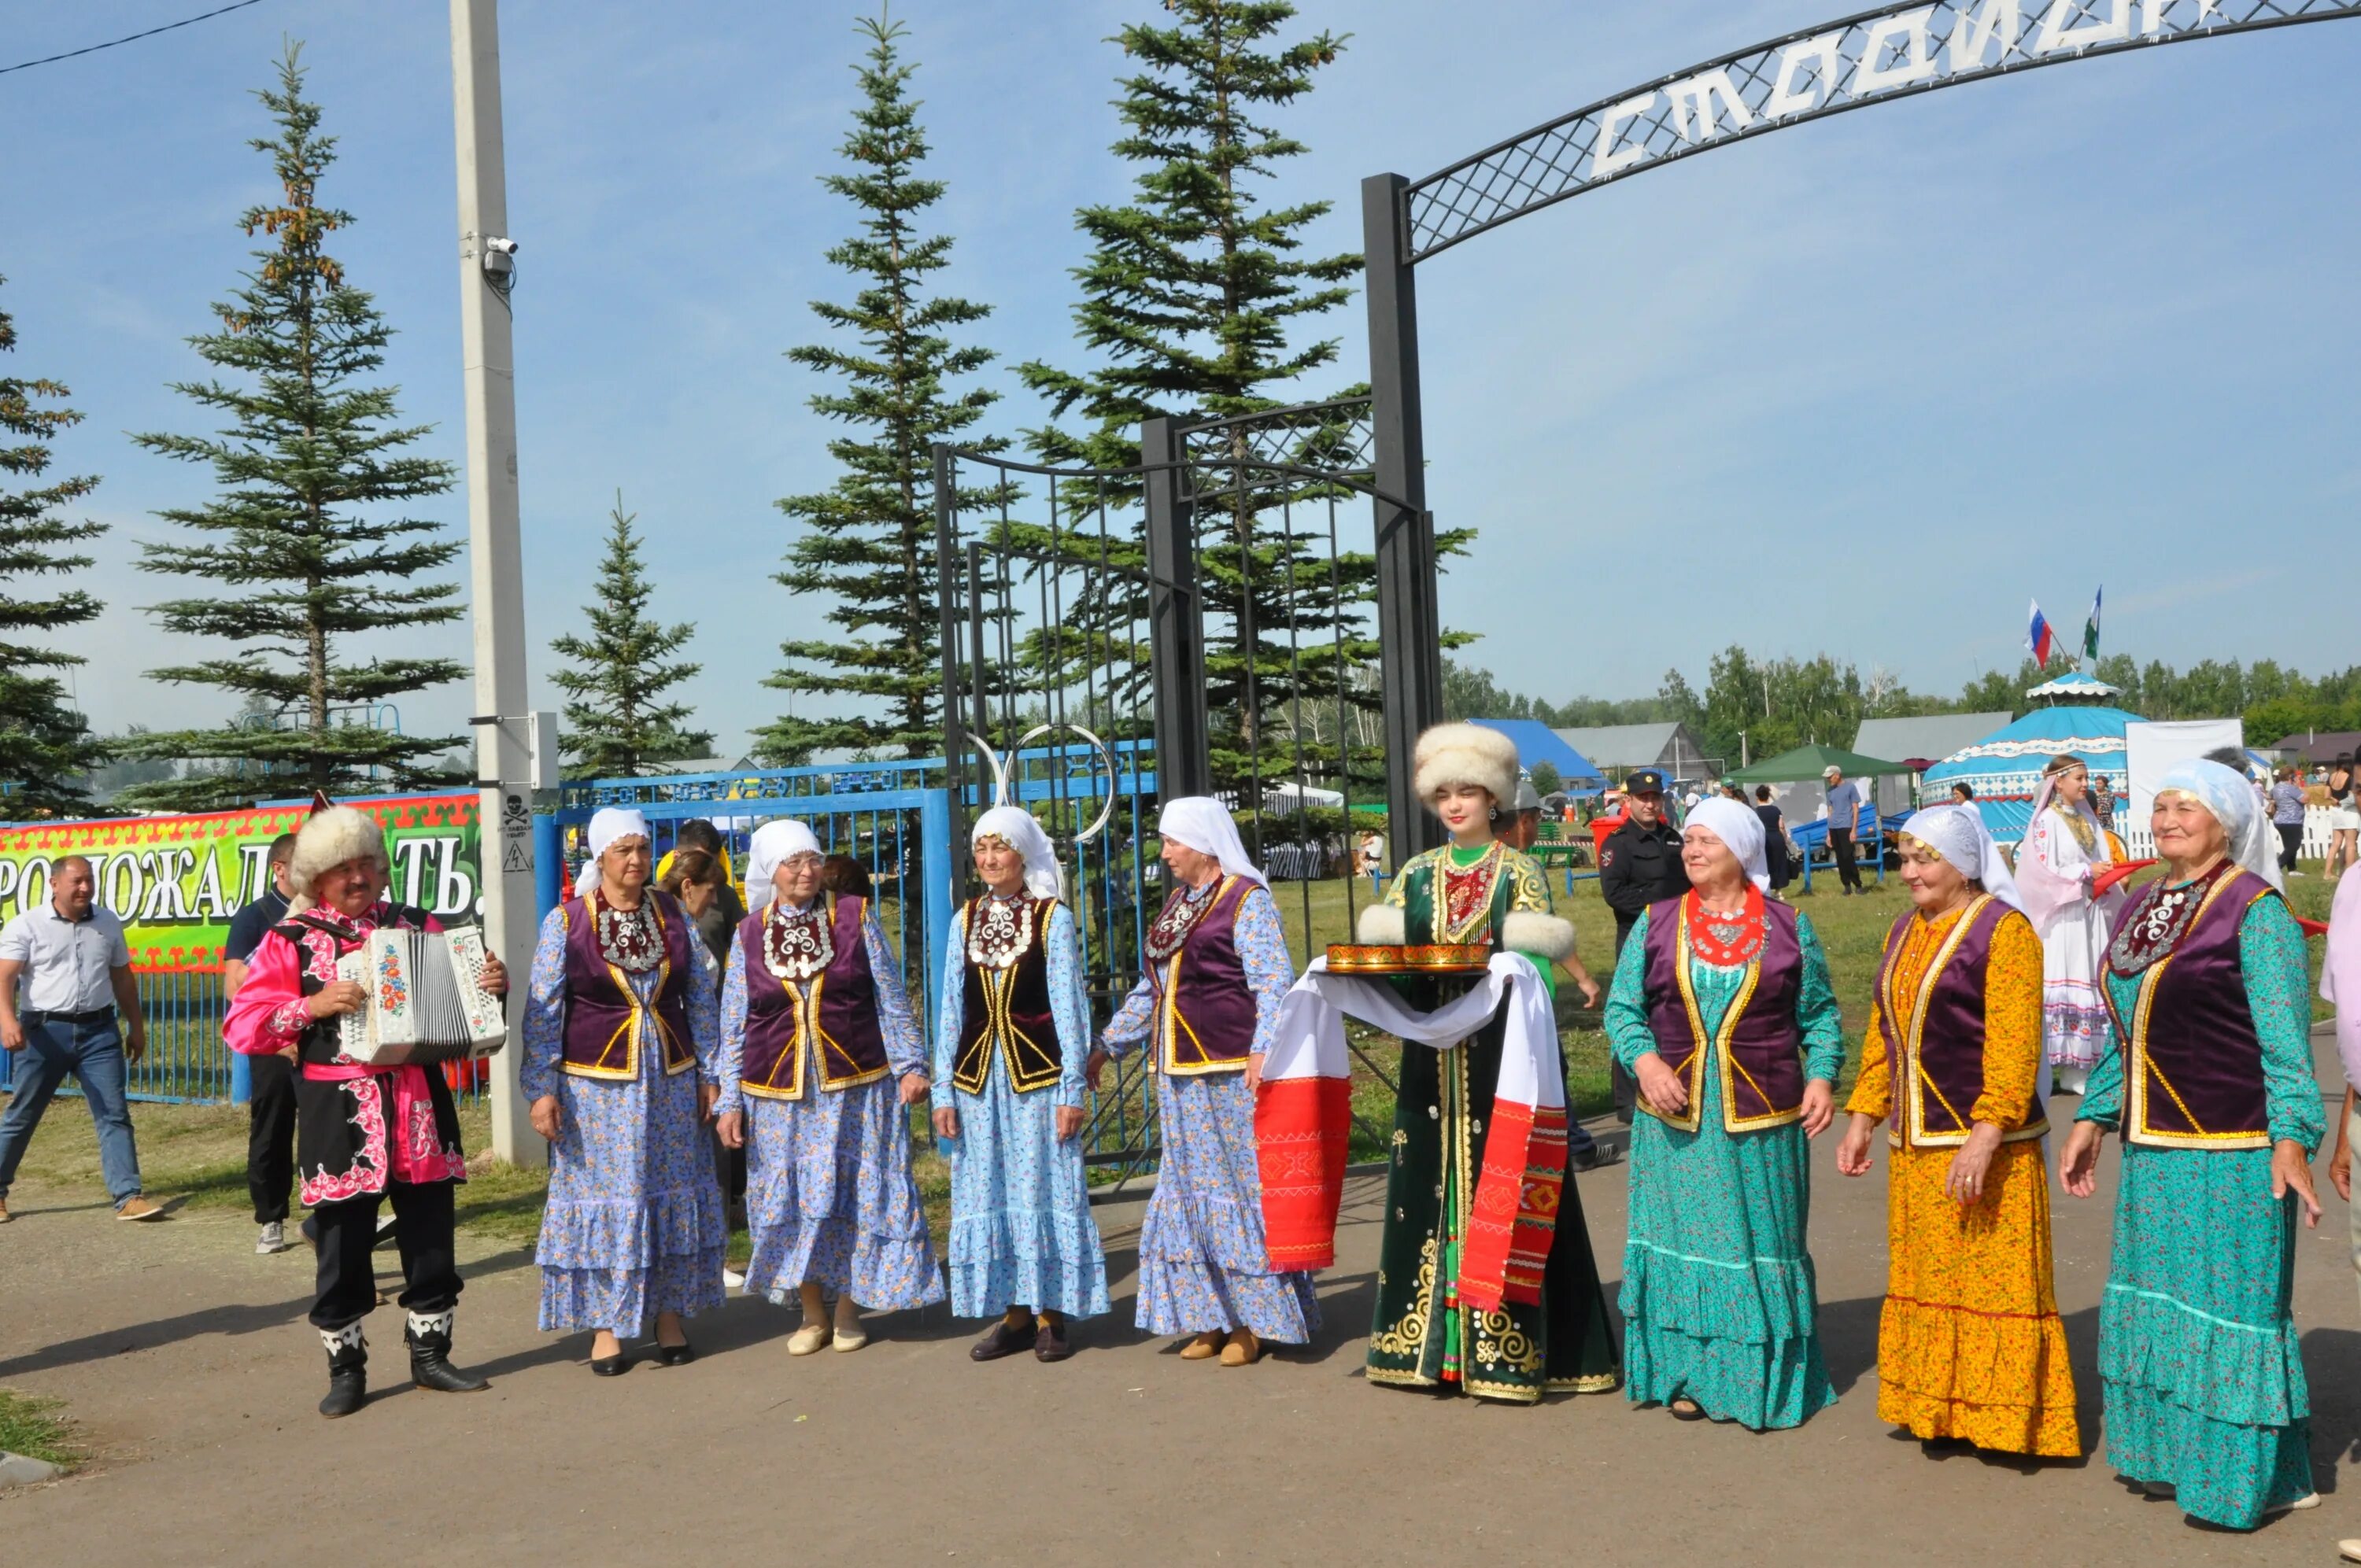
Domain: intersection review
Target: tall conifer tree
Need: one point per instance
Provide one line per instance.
(1190, 291)
(305, 546)
(618, 721)
(45, 747)
(1192, 295)
(868, 541)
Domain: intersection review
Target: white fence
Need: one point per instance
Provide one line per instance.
(2315, 834)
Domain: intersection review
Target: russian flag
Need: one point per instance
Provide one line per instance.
(2038, 637)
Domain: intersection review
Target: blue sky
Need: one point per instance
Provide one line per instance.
(1863, 385)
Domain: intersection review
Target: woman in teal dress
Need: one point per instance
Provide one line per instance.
(2212, 1087)
(1722, 1009)
(1424, 1332)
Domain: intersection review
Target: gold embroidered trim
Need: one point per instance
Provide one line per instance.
(638, 1020)
(2139, 1064)
(1168, 1006)
(1408, 1337)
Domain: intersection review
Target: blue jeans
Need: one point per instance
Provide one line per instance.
(93, 1053)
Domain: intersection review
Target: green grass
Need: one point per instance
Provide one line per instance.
(32, 1426)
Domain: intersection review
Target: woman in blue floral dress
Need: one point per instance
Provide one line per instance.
(1722, 1009)
(821, 1058)
(620, 1044)
(1011, 1031)
(1218, 969)
(2212, 1086)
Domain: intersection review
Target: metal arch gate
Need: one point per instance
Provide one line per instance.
(1896, 50)
(1195, 624)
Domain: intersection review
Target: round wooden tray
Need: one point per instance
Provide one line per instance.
(1425, 957)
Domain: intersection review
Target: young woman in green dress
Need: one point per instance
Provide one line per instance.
(1476, 889)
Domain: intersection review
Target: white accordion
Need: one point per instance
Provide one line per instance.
(426, 1000)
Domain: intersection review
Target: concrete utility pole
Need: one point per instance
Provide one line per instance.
(496, 558)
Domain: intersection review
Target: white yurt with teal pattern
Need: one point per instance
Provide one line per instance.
(2004, 767)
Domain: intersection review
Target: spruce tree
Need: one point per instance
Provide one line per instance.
(45, 747)
(617, 721)
(1191, 296)
(868, 541)
(305, 546)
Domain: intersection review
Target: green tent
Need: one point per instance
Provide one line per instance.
(1808, 764)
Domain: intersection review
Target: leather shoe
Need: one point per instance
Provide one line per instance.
(1049, 1343)
(1003, 1338)
(679, 1355)
(613, 1365)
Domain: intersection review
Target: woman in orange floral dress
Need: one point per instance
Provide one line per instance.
(1969, 1347)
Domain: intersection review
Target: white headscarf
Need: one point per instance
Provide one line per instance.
(609, 824)
(773, 844)
(2228, 795)
(1740, 832)
(1206, 826)
(1957, 833)
(1014, 826)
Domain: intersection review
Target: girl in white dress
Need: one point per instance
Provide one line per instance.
(2063, 872)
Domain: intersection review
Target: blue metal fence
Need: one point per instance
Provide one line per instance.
(187, 1060)
(893, 817)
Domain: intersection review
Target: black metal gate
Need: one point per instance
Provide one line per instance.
(1197, 624)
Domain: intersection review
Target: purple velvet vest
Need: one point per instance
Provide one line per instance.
(1007, 1014)
(1935, 1039)
(831, 1018)
(1760, 1052)
(2192, 1059)
(1203, 1001)
(605, 1025)
(321, 937)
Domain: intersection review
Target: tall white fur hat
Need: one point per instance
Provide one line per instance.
(330, 838)
(1466, 754)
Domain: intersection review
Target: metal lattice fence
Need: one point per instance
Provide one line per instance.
(1198, 623)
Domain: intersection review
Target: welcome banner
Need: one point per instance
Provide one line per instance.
(176, 881)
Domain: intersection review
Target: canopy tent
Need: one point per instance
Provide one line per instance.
(1537, 744)
(1809, 763)
(2004, 767)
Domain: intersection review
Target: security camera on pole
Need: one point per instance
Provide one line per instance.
(515, 750)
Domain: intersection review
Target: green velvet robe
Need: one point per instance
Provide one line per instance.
(1423, 1335)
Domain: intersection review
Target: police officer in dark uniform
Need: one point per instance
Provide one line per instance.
(1639, 864)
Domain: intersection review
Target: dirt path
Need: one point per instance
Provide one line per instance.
(186, 1359)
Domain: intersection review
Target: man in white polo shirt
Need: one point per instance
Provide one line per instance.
(77, 974)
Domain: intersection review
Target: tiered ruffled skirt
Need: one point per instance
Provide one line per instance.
(635, 1223)
(2204, 1382)
(1969, 1344)
(1204, 1265)
(831, 1198)
(1719, 1300)
(1022, 1235)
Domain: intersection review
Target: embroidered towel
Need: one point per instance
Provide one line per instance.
(1304, 1122)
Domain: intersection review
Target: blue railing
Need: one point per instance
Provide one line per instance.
(187, 1060)
(893, 817)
